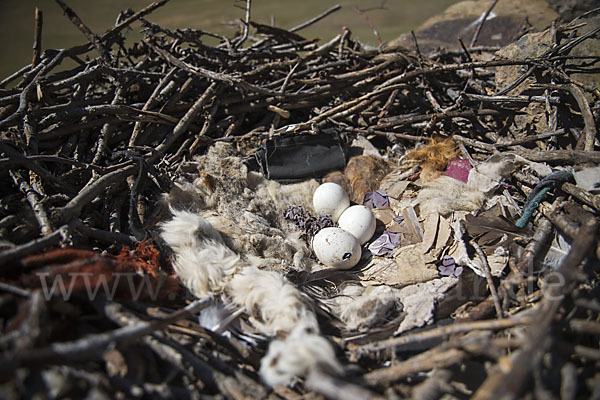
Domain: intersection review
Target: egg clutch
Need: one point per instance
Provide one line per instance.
(340, 247)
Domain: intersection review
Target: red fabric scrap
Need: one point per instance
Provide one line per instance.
(459, 169)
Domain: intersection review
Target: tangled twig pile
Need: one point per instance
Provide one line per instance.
(88, 152)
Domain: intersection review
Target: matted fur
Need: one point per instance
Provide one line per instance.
(274, 304)
(201, 260)
(360, 308)
(370, 308)
(205, 269)
(296, 355)
(445, 195)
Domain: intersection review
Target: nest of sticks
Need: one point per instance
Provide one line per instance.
(87, 153)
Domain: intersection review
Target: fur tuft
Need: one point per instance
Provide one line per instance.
(371, 308)
(296, 355)
(202, 261)
(187, 229)
(436, 154)
(205, 270)
(274, 304)
(360, 308)
(446, 195)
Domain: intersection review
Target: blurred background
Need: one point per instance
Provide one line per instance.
(390, 18)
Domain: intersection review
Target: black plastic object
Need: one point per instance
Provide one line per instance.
(295, 158)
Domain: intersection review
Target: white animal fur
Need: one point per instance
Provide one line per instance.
(296, 355)
(274, 304)
(360, 308)
(201, 260)
(445, 195)
(187, 229)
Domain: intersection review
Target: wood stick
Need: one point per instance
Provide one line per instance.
(37, 37)
(319, 17)
(34, 245)
(93, 39)
(244, 36)
(34, 201)
(151, 102)
(583, 195)
(93, 189)
(488, 277)
(335, 388)
(184, 122)
(92, 347)
(128, 21)
(442, 331)
(480, 24)
(181, 358)
(510, 383)
(561, 156)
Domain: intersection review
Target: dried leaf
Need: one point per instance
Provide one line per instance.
(444, 232)
(410, 266)
(384, 214)
(395, 190)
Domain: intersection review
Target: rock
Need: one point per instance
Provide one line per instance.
(569, 9)
(504, 24)
(590, 47)
(536, 44)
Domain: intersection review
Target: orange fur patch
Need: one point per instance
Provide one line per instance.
(435, 155)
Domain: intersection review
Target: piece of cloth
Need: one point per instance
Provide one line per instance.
(459, 169)
(295, 158)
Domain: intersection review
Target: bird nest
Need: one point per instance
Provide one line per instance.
(146, 253)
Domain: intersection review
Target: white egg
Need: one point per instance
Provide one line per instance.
(359, 221)
(336, 248)
(330, 199)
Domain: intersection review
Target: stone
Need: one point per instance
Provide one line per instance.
(505, 23)
(569, 9)
(533, 45)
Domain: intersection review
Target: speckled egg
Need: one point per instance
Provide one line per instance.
(336, 248)
(359, 221)
(330, 199)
